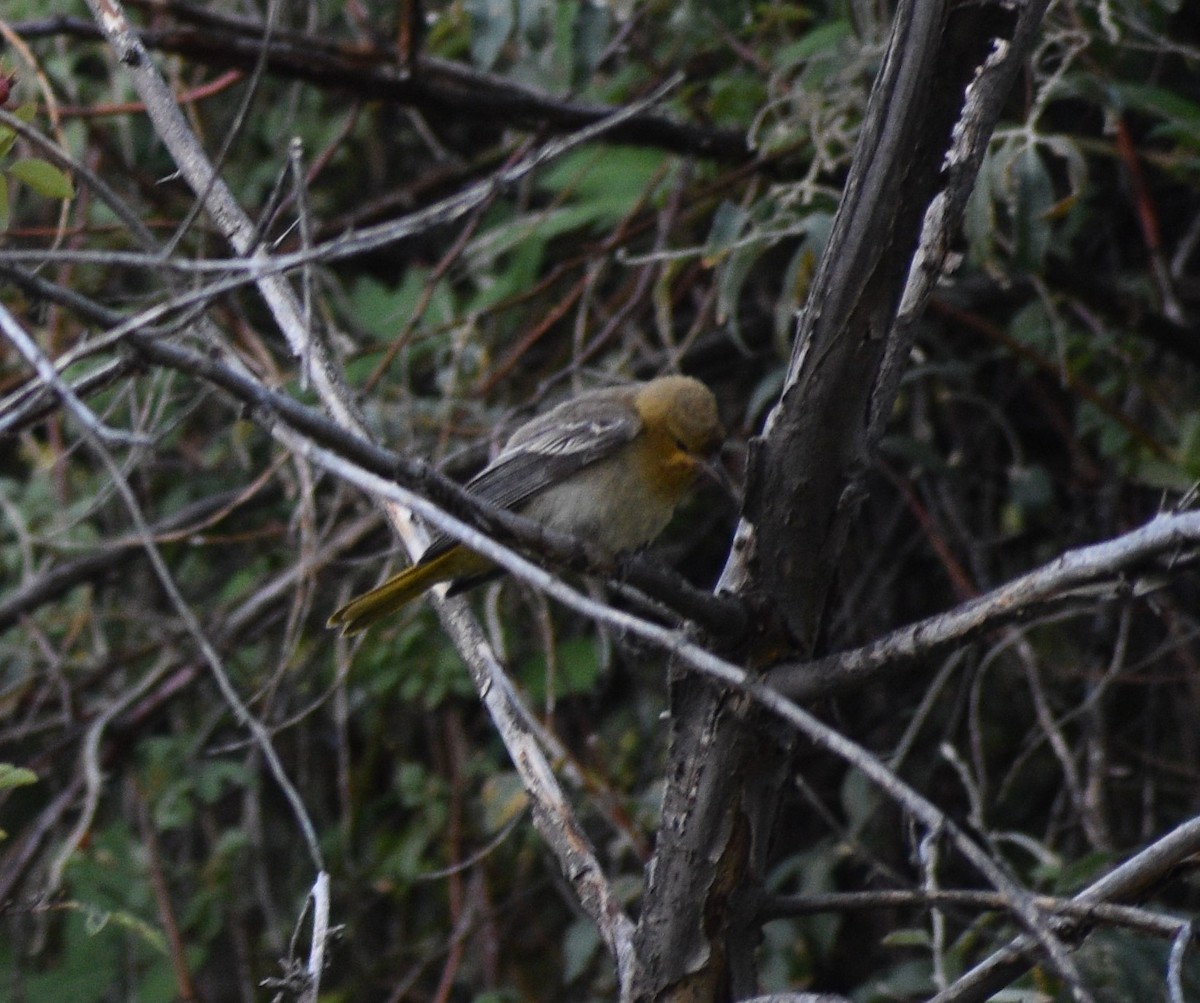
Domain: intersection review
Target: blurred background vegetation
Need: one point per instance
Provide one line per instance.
(1052, 400)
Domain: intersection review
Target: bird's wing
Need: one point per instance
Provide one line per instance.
(547, 451)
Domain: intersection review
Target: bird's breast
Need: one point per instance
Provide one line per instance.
(612, 503)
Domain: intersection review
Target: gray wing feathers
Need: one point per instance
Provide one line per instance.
(537, 458)
(547, 450)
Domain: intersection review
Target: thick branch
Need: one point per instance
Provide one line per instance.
(698, 926)
(806, 476)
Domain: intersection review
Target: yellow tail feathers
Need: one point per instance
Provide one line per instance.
(401, 589)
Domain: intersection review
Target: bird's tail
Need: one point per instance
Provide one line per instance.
(399, 590)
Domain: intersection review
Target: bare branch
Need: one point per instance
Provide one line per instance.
(57, 155)
(49, 376)
(1089, 575)
(320, 938)
(1090, 913)
(552, 812)
(61, 578)
(1132, 879)
(724, 616)
(93, 780)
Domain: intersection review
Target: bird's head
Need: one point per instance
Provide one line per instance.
(686, 410)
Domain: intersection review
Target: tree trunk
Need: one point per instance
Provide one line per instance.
(698, 929)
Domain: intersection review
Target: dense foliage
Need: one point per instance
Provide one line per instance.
(148, 852)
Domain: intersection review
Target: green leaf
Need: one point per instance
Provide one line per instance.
(580, 946)
(503, 797)
(735, 269)
(860, 798)
(820, 41)
(1030, 487)
(592, 29)
(43, 177)
(1189, 444)
(3, 203)
(384, 309)
(95, 919)
(903, 981)
(728, 222)
(793, 291)
(492, 23)
(1034, 193)
(732, 13)
(579, 665)
(1168, 105)
(735, 99)
(1162, 475)
(979, 219)
(537, 227)
(212, 779)
(15, 776)
(577, 668)
(613, 178)
(531, 16)
(1031, 326)
(910, 937)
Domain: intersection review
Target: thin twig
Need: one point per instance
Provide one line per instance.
(704, 661)
(49, 376)
(320, 937)
(1131, 879)
(552, 813)
(1133, 917)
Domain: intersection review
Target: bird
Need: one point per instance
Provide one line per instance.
(609, 466)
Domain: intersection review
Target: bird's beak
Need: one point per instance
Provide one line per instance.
(715, 471)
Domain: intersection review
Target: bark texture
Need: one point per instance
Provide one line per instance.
(699, 925)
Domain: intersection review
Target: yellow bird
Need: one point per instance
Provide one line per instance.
(608, 466)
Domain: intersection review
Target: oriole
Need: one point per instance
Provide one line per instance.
(609, 466)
